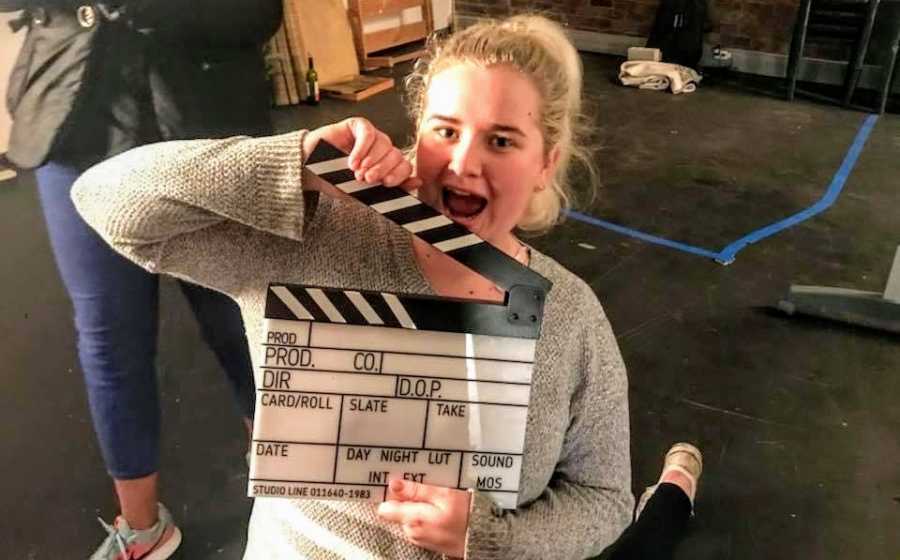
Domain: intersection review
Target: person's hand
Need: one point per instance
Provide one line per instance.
(432, 517)
(373, 157)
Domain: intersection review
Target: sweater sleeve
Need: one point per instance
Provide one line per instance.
(588, 502)
(192, 208)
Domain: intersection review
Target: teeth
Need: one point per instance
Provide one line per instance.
(458, 192)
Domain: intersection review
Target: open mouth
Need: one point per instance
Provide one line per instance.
(462, 205)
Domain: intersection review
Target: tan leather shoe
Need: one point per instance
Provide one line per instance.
(684, 458)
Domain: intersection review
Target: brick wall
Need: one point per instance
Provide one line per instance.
(761, 25)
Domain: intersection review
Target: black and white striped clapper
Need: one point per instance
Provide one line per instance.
(357, 387)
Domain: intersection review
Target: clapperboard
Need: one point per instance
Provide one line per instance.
(358, 387)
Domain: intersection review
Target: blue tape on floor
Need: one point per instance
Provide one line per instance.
(727, 255)
(641, 235)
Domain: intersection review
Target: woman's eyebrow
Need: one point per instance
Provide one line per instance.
(508, 128)
(496, 127)
(453, 120)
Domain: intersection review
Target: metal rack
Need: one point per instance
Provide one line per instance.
(845, 20)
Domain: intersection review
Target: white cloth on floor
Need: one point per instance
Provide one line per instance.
(659, 75)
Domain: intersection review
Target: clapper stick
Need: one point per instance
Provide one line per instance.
(525, 289)
(356, 387)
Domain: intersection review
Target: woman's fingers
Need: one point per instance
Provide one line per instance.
(432, 517)
(342, 135)
(373, 157)
(372, 167)
(401, 177)
(392, 170)
(370, 145)
(365, 135)
(407, 513)
(412, 184)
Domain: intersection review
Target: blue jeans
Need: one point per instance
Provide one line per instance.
(116, 307)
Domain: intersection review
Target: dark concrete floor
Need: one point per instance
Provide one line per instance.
(797, 418)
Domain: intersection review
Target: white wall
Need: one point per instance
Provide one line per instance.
(9, 48)
(442, 10)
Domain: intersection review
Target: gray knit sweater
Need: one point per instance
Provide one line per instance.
(229, 214)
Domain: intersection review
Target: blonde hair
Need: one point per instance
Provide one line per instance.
(539, 48)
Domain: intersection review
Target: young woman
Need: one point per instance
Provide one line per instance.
(495, 109)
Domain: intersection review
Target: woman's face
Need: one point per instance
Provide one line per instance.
(480, 150)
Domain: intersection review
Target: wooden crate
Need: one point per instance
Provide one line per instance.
(319, 29)
(387, 47)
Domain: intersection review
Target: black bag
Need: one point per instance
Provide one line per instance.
(678, 31)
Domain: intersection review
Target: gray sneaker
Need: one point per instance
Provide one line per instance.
(124, 543)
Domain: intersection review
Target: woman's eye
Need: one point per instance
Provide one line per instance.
(502, 142)
(445, 132)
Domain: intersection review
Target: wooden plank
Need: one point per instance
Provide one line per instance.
(279, 87)
(380, 8)
(358, 88)
(387, 38)
(275, 73)
(373, 62)
(428, 16)
(356, 25)
(327, 37)
(296, 48)
(282, 76)
(290, 72)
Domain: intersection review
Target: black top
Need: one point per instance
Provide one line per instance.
(162, 70)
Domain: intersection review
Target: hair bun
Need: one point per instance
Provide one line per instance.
(558, 45)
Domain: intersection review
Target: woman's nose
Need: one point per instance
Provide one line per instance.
(466, 159)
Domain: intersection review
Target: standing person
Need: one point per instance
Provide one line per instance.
(93, 80)
(496, 109)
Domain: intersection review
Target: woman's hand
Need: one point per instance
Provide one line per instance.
(432, 517)
(373, 156)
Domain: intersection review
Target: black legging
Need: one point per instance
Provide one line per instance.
(657, 531)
